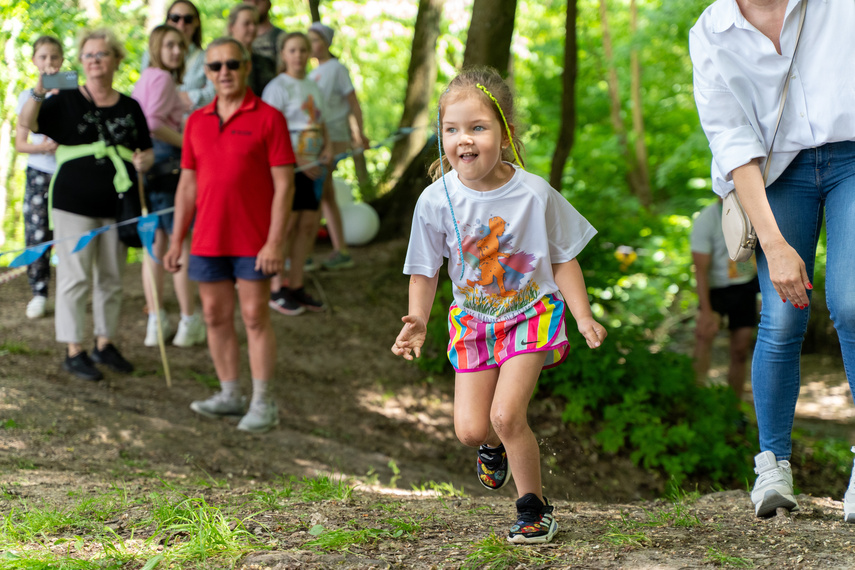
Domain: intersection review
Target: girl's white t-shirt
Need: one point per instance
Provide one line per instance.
(301, 102)
(41, 162)
(335, 85)
(510, 237)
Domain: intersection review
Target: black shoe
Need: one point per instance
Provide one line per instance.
(82, 366)
(283, 302)
(305, 300)
(112, 358)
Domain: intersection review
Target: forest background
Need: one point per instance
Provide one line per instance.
(605, 109)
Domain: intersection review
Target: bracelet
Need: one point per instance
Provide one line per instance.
(37, 98)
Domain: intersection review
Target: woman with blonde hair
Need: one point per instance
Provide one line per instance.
(103, 142)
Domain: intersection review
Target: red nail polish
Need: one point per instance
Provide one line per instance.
(784, 300)
(809, 286)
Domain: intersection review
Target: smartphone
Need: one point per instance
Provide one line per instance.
(61, 80)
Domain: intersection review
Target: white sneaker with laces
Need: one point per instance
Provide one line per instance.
(151, 329)
(774, 486)
(261, 417)
(849, 498)
(190, 332)
(219, 405)
(36, 307)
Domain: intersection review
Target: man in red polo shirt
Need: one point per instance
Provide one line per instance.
(237, 179)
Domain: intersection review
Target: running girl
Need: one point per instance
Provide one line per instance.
(512, 243)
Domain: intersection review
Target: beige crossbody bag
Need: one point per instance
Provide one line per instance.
(739, 234)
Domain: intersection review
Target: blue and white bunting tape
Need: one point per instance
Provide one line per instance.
(147, 225)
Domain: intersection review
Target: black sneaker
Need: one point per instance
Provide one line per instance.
(492, 467)
(535, 522)
(112, 358)
(283, 302)
(307, 301)
(82, 366)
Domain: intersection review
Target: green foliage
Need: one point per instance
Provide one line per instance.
(646, 404)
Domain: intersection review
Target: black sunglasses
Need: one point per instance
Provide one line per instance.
(175, 18)
(231, 65)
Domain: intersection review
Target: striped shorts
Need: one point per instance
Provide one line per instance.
(476, 345)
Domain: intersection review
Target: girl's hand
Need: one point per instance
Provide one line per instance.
(594, 332)
(411, 337)
(312, 172)
(326, 156)
(788, 274)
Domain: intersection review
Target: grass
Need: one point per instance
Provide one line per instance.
(618, 535)
(344, 538)
(20, 348)
(716, 556)
(324, 488)
(496, 553)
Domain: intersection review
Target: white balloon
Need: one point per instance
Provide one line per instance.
(343, 192)
(360, 223)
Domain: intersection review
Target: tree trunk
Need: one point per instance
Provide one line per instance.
(488, 43)
(314, 8)
(641, 161)
(490, 33)
(638, 184)
(421, 79)
(568, 99)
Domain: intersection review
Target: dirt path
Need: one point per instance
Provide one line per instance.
(349, 408)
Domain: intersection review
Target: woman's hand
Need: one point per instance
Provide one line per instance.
(787, 273)
(411, 337)
(143, 160)
(172, 257)
(48, 147)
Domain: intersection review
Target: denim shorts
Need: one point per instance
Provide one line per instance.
(160, 201)
(209, 269)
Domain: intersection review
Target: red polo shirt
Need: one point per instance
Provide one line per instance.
(232, 161)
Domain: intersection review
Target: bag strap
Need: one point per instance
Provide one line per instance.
(785, 90)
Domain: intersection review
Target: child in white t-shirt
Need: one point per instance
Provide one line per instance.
(511, 242)
(41, 164)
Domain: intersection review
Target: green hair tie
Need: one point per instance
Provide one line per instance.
(505, 121)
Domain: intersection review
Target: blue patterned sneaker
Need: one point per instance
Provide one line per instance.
(492, 467)
(535, 522)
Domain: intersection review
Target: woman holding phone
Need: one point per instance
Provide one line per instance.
(103, 142)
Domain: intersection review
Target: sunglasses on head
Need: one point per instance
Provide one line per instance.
(175, 18)
(231, 65)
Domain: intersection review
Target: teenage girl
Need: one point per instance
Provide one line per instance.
(41, 164)
(511, 242)
(158, 95)
(300, 100)
(341, 102)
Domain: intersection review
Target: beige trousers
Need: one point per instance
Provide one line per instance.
(101, 263)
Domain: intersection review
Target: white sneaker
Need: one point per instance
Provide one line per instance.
(151, 329)
(218, 405)
(261, 417)
(774, 486)
(190, 332)
(849, 498)
(36, 307)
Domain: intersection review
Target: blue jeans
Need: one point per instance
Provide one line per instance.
(818, 179)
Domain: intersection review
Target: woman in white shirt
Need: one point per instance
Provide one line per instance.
(741, 51)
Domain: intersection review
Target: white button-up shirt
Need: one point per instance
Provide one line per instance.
(738, 77)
